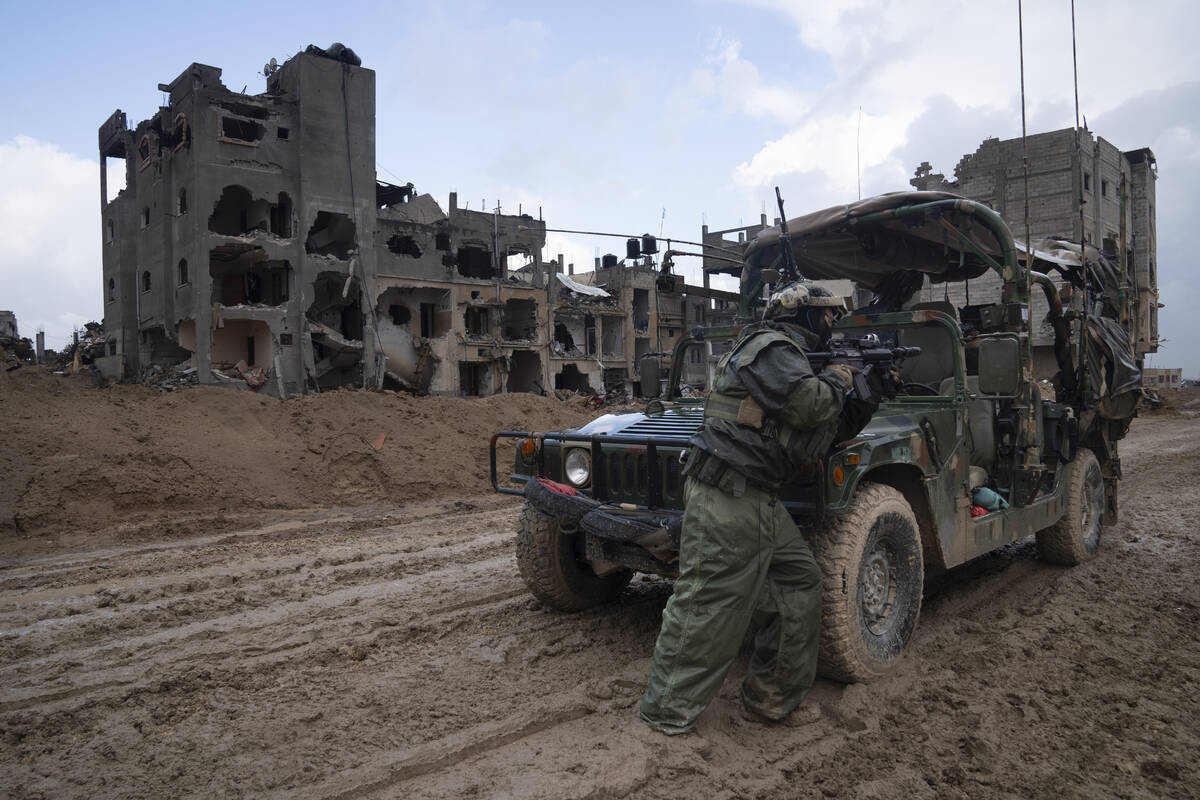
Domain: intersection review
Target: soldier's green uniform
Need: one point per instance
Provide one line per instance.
(741, 556)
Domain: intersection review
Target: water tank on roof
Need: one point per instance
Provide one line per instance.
(649, 244)
(609, 261)
(633, 248)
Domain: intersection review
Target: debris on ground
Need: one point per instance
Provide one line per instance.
(90, 346)
(170, 379)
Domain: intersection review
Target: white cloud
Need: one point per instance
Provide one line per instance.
(833, 142)
(898, 61)
(735, 85)
(50, 265)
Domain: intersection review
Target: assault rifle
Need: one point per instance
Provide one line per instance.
(870, 358)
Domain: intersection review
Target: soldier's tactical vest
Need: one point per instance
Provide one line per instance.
(731, 401)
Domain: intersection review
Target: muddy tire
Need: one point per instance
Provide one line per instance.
(1076, 537)
(550, 566)
(873, 581)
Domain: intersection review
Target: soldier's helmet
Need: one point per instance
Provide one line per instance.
(793, 300)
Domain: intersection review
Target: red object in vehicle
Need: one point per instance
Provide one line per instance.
(979, 511)
(557, 488)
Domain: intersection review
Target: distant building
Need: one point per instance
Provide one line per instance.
(8, 324)
(252, 236)
(1115, 190)
(1162, 378)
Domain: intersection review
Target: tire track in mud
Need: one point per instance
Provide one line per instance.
(457, 602)
(257, 600)
(361, 655)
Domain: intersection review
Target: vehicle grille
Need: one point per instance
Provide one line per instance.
(627, 476)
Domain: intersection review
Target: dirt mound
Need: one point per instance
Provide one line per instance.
(79, 457)
(1174, 402)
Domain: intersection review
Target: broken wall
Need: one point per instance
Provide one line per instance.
(235, 201)
(414, 326)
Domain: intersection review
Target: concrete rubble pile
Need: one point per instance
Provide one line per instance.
(171, 378)
(90, 346)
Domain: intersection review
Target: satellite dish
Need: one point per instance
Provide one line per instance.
(270, 67)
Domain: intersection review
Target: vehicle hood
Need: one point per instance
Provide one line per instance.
(663, 419)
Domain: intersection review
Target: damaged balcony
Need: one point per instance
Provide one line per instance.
(243, 275)
(335, 322)
(238, 213)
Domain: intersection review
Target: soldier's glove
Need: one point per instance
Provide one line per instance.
(845, 371)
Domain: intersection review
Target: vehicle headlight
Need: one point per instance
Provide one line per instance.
(578, 467)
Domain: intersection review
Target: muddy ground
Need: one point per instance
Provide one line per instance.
(390, 650)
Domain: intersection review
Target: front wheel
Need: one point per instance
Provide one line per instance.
(873, 580)
(550, 566)
(1076, 537)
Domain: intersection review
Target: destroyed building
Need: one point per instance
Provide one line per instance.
(253, 241)
(1114, 190)
(1162, 377)
(251, 233)
(606, 322)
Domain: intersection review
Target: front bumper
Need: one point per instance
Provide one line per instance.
(633, 538)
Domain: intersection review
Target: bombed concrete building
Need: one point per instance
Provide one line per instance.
(459, 297)
(1114, 190)
(252, 240)
(607, 322)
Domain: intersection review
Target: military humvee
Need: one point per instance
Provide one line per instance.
(897, 501)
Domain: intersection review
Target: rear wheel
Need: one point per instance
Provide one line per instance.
(551, 567)
(1076, 537)
(873, 580)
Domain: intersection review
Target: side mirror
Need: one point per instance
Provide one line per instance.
(999, 366)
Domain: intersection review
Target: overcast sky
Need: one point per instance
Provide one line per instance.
(607, 115)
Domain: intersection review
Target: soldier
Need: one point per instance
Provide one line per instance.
(742, 558)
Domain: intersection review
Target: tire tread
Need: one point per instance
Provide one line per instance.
(1061, 543)
(548, 567)
(841, 656)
